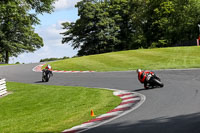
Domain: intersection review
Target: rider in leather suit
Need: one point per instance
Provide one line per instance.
(142, 76)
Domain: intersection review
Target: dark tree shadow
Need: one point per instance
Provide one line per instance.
(178, 124)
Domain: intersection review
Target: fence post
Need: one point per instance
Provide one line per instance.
(3, 90)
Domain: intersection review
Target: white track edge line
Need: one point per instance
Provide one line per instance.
(132, 99)
(143, 98)
(110, 114)
(124, 106)
(127, 96)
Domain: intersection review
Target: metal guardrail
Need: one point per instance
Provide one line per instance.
(3, 90)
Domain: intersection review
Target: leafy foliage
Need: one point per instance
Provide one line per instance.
(171, 22)
(53, 59)
(95, 32)
(114, 25)
(16, 32)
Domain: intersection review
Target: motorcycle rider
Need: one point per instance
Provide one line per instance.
(142, 76)
(47, 68)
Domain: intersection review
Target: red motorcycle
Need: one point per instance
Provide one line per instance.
(153, 81)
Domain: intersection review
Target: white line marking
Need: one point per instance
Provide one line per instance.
(127, 96)
(124, 106)
(110, 114)
(84, 125)
(132, 99)
(143, 98)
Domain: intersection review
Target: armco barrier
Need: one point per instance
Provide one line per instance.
(3, 90)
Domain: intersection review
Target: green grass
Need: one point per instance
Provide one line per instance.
(5, 64)
(35, 108)
(158, 58)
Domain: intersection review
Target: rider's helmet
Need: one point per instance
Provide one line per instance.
(138, 70)
(48, 66)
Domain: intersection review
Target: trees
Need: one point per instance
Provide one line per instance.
(103, 26)
(113, 25)
(16, 32)
(95, 32)
(169, 22)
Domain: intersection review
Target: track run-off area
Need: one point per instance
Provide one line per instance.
(172, 109)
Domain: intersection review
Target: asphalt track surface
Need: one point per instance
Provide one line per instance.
(175, 108)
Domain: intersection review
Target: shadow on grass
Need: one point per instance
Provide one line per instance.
(178, 124)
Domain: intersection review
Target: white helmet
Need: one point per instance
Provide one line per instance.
(48, 66)
(138, 70)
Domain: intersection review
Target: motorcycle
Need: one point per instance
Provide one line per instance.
(46, 74)
(153, 81)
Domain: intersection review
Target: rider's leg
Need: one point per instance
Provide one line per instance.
(145, 85)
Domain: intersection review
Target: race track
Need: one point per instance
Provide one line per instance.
(172, 109)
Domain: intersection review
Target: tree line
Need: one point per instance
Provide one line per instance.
(17, 18)
(103, 25)
(114, 25)
(53, 59)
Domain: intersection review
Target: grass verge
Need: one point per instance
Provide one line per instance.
(158, 58)
(35, 108)
(6, 64)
